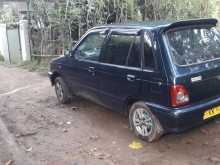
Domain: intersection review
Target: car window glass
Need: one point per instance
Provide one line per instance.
(117, 49)
(134, 59)
(191, 46)
(90, 48)
(148, 52)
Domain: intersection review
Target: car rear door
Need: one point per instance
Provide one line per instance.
(120, 68)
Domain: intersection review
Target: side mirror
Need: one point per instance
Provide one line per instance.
(67, 52)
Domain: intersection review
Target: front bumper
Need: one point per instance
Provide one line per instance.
(51, 77)
(181, 119)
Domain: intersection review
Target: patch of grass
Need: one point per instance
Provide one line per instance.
(35, 66)
(1, 58)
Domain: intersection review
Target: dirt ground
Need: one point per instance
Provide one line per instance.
(35, 129)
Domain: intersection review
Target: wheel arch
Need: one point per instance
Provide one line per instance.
(54, 75)
(129, 102)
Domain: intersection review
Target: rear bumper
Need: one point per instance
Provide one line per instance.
(181, 119)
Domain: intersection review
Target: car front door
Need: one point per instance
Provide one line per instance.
(120, 68)
(82, 66)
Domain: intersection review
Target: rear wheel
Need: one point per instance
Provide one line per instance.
(144, 123)
(62, 91)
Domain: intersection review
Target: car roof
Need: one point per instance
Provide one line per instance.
(160, 25)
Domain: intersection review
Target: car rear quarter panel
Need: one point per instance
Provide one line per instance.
(155, 82)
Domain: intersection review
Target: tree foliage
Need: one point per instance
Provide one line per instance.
(55, 24)
(84, 14)
(73, 17)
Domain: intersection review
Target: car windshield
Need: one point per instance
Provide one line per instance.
(194, 45)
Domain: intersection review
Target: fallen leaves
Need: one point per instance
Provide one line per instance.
(29, 149)
(205, 131)
(75, 108)
(189, 141)
(93, 137)
(68, 122)
(214, 159)
(26, 134)
(99, 155)
(65, 130)
(135, 145)
(9, 162)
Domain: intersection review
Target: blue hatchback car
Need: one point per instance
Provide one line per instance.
(165, 76)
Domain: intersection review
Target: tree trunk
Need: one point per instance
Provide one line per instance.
(79, 28)
(42, 42)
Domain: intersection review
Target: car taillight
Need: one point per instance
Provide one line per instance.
(179, 95)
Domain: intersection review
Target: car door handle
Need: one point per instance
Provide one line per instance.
(91, 69)
(130, 77)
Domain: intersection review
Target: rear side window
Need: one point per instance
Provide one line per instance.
(134, 56)
(123, 49)
(148, 52)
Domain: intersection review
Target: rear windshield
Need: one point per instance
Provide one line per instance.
(194, 45)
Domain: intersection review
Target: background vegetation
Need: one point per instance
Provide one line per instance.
(54, 25)
(1, 58)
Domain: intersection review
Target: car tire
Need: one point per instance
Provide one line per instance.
(144, 123)
(62, 91)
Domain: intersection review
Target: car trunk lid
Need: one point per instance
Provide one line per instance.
(202, 85)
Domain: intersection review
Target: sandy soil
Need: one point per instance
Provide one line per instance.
(35, 129)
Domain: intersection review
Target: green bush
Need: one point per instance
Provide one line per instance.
(35, 65)
(1, 57)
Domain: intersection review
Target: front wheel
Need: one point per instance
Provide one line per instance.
(62, 92)
(144, 123)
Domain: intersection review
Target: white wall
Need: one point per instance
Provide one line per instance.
(24, 38)
(13, 5)
(24, 41)
(4, 42)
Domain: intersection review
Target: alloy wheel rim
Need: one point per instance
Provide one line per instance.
(59, 90)
(143, 122)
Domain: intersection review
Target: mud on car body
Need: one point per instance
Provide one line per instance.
(165, 76)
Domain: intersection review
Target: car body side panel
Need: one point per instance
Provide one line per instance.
(111, 87)
(115, 86)
(58, 68)
(155, 87)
